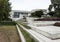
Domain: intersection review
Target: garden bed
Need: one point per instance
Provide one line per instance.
(57, 24)
(47, 19)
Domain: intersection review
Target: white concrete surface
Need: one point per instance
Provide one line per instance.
(51, 32)
(38, 36)
(39, 23)
(49, 29)
(35, 37)
(20, 34)
(44, 39)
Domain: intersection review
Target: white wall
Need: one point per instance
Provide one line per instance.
(20, 17)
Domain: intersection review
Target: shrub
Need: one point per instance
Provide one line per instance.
(7, 23)
(57, 24)
(38, 13)
(47, 19)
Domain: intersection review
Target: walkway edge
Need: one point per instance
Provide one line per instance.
(20, 34)
(36, 39)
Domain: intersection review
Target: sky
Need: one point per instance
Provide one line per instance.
(29, 5)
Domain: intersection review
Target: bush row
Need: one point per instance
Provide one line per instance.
(57, 24)
(47, 19)
(7, 23)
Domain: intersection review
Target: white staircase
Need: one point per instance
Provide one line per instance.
(42, 38)
(47, 33)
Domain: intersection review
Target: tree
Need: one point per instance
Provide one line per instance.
(56, 5)
(51, 13)
(4, 9)
(37, 13)
(50, 7)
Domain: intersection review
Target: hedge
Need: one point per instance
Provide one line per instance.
(7, 23)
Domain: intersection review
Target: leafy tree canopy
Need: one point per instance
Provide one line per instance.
(4, 9)
(56, 5)
(38, 13)
(52, 13)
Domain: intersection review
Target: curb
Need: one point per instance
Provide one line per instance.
(32, 35)
(20, 34)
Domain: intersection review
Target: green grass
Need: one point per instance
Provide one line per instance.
(21, 20)
(27, 27)
(26, 35)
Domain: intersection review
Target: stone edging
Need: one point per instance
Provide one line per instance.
(33, 36)
(20, 34)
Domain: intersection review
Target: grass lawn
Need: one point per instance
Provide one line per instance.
(8, 33)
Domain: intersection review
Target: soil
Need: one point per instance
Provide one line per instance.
(8, 35)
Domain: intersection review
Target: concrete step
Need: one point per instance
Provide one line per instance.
(48, 31)
(35, 36)
(42, 38)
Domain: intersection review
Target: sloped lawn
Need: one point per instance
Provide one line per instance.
(8, 33)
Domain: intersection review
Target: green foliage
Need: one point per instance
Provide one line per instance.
(50, 7)
(56, 8)
(7, 23)
(57, 12)
(55, 1)
(51, 13)
(4, 9)
(37, 13)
